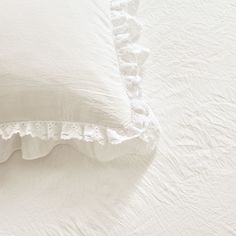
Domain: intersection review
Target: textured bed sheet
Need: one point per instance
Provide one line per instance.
(189, 187)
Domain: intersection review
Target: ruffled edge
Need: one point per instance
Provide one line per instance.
(131, 56)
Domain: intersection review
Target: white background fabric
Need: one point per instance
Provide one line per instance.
(189, 187)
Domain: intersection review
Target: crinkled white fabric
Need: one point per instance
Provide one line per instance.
(189, 187)
(102, 120)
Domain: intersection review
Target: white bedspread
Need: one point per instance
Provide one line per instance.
(189, 187)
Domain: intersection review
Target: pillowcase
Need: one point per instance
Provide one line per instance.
(70, 73)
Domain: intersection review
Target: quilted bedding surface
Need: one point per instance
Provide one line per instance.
(189, 186)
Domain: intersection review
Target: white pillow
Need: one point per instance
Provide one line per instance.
(70, 74)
